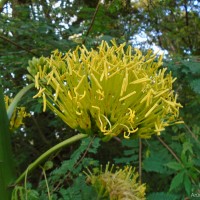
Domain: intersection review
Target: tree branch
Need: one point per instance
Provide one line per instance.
(192, 134)
(170, 150)
(92, 22)
(140, 160)
(17, 45)
(176, 157)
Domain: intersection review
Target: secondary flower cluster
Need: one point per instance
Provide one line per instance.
(18, 115)
(109, 91)
(118, 183)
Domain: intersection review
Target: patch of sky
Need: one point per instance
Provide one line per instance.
(141, 40)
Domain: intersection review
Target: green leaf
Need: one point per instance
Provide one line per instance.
(130, 152)
(130, 143)
(197, 162)
(78, 156)
(157, 161)
(174, 165)
(187, 184)
(193, 66)
(195, 85)
(126, 160)
(177, 181)
(153, 166)
(6, 160)
(162, 196)
(187, 146)
(79, 190)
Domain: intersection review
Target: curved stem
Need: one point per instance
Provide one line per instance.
(45, 155)
(17, 98)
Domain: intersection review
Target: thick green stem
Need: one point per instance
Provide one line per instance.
(7, 174)
(45, 155)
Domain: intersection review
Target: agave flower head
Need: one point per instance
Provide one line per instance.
(115, 183)
(110, 91)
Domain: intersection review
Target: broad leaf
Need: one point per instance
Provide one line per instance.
(187, 184)
(174, 165)
(157, 161)
(187, 146)
(177, 181)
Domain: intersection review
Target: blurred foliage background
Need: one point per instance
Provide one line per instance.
(170, 164)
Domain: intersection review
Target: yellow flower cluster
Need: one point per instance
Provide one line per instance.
(120, 184)
(18, 115)
(109, 91)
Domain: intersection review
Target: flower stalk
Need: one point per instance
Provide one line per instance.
(49, 152)
(17, 98)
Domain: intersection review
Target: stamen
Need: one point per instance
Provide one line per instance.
(80, 82)
(44, 102)
(96, 81)
(150, 111)
(39, 93)
(37, 80)
(124, 85)
(107, 120)
(69, 67)
(127, 96)
(57, 92)
(83, 95)
(50, 75)
(141, 80)
(161, 93)
(126, 135)
(79, 113)
(69, 94)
